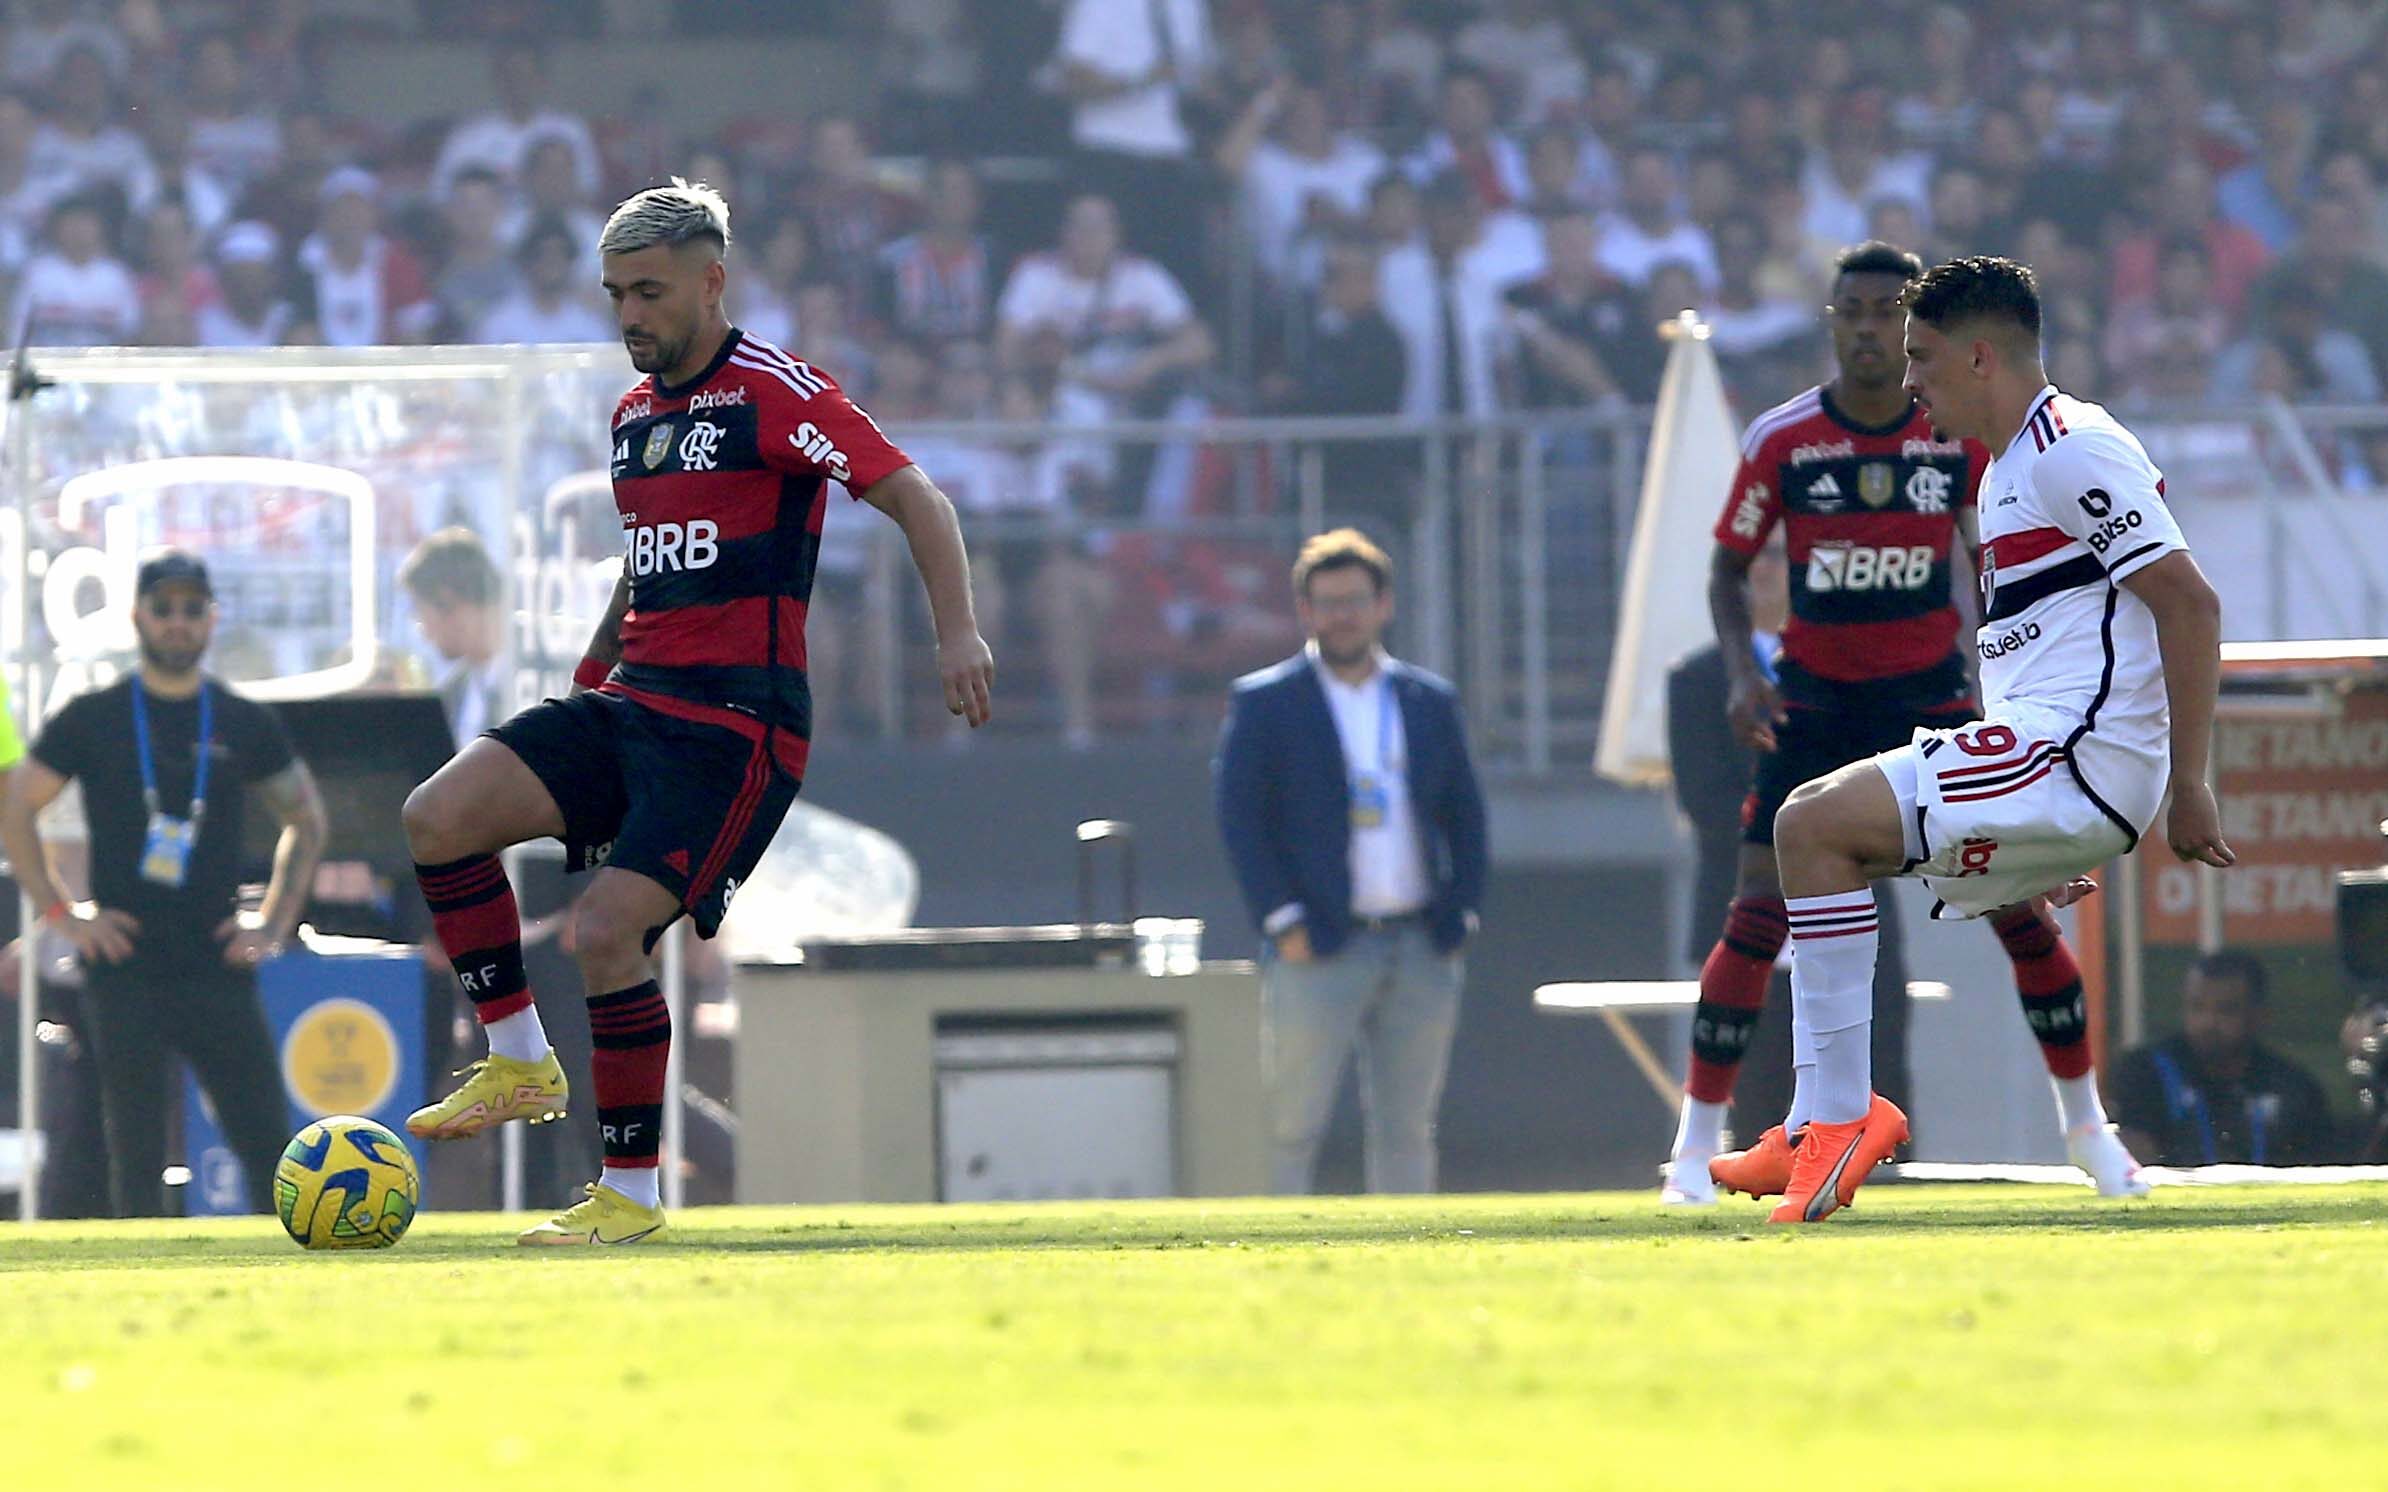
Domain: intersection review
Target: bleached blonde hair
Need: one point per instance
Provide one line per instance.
(673, 215)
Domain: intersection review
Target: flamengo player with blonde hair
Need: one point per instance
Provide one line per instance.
(684, 739)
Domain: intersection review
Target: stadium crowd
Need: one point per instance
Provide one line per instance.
(1077, 211)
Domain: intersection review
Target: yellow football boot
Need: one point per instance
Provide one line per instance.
(605, 1217)
(496, 1089)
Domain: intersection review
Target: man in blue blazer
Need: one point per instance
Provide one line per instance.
(1356, 828)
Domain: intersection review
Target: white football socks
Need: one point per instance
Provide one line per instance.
(1701, 1128)
(519, 1036)
(2077, 1102)
(641, 1184)
(1833, 943)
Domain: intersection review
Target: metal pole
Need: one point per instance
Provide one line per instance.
(510, 1136)
(2130, 937)
(1534, 599)
(1313, 479)
(1430, 559)
(1480, 555)
(675, 1061)
(22, 385)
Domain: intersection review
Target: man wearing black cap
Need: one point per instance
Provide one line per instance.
(167, 760)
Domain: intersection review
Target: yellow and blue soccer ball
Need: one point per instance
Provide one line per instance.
(346, 1183)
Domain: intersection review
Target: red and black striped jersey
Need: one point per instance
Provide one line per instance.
(722, 486)
(1869, 516)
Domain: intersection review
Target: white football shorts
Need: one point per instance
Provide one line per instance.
(1995, 814)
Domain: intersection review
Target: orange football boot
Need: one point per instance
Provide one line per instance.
(1763, 1170)
(1834, 1160)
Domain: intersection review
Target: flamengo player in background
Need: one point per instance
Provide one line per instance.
(684, 739)
(2101, 657)
(1872, 499)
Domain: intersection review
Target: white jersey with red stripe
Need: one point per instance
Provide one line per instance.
(2069, 510)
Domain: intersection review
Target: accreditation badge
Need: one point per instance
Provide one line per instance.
(1372, 799)
(166, 850)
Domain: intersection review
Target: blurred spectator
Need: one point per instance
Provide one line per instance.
(1405, 57)
(937, 285)
(1524, 48)
(2185, 207)
(827, 337)
(1444, 296)
(1028, 552)
(287, 198)
(2297, 355)
(1764, 340)
(175, 284)
(1960, 217)
(1648, 228)
(1713, 191)
(2166, 346)
(253, 308)
(1938, 110)
(459, 601)
(500, 140)
(2097, 86)
(1396, 217)
(75, 292)
(45, 32)
(850, 214)
(1852, 172)
(551, 189)
(1334, 57)
(2264, 195)
(767, 299)
(476, 272)
(1300, 184)
(2348, 177)
(206, 196)
(26, 189)
(2216, 1094)
(233, 136)
(2330, 258)
(80, 139)
(1557, 176)
(356, 287)
(1470, 142)
(554, 304)
(1353, 361)
(1564, 325)
(1126, 70)
(1116, 329)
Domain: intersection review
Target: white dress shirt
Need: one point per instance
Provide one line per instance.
(1388, 860)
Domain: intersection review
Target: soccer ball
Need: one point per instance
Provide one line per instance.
(346, 1183)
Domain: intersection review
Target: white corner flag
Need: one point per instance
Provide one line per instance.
(1694, 453)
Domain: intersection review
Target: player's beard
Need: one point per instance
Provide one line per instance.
(660, 356)
(1351, 657)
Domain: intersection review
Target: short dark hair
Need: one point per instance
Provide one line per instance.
(1874, 257)
(2239, 964)
(544, 229)
(454, 563)
(1341, 549)
(1978, 286)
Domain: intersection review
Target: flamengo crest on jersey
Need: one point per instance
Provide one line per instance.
(1870, 524)
(721, 484)
(2070, 509)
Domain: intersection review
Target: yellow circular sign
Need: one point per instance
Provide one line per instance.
(341, 1057)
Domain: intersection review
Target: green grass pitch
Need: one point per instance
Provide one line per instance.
(1975, 1337)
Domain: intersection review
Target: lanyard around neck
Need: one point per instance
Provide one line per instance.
(149, 774)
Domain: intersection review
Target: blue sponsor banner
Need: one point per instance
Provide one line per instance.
(348, 1037)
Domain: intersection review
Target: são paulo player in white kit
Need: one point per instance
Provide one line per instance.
(2100, 651)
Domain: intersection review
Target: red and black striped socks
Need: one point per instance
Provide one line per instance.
(631, 1033)
(2048, 981)
(480, 927)
(1732, 992)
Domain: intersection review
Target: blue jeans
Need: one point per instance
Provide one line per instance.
(1394, 997)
